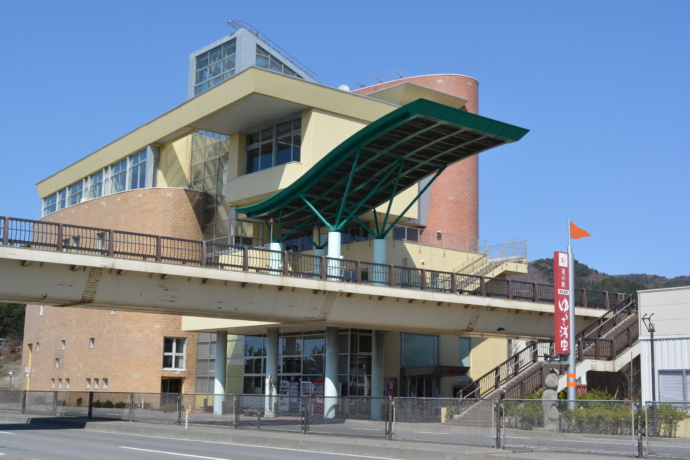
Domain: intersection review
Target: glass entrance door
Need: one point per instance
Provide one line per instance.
(422, 386)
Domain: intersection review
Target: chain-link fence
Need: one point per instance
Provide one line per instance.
(668, 429)
(602, 427)
(447, 420)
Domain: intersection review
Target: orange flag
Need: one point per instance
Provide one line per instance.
(576, 232)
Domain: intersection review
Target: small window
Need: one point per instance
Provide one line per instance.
(105, 383)
(67, 384)
(63, 344)
(92, 342)
(95, 384)
(57, 363)
(60, 383)
(38, 346)
(173, 353)
(40, 310)
(88, 384)
(112, 312)
(52, 383)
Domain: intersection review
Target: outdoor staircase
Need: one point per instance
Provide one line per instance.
(607, 338)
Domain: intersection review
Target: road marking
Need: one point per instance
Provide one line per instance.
(173, 453)
(5, 432)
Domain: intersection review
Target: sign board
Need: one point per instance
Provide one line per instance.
(27, 370)
(561, 297)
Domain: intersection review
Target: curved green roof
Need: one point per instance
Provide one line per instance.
(381, 160)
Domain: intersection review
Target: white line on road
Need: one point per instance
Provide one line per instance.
(5, 432)
(173, 453)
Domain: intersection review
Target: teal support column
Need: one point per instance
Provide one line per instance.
(271, 371)
(377, 375)
(220, 372)
(380, 273)
(331, 384)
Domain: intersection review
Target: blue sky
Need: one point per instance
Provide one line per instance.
(602, 85)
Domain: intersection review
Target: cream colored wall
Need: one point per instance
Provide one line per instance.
(486, 354)
(324, 131)
(391, 357)
(174, 163)
(258, 186)
(671, 310)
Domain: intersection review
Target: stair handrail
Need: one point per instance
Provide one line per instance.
(625, 306)
(514, 249)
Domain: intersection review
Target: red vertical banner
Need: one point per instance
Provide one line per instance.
(561, 297)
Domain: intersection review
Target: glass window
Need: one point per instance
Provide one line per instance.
(57, 363)
(118, 177)
(266, 60)
(62, 199)
(214, 66)
(419, 350)
(674, 385)
(273, 146)
(75, 193)
(137, 173)
(50, 204)
(96, 187)
(105, 383)
(88, 384)
(173, 353)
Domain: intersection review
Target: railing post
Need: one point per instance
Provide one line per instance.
(55, 396)
(322, 268)
(245, 259)
(60, 237)
(131, 407)
(24, 402)
(584, 298)
(640, 443)
(111, 243)
(358, 272)
(90, 413)
(389, 418)
(6, 231)
(286, 263)
(159, 249)
(454, 283)
(535, 293)
(482, 286)
(597, 350)
(422, 279)
(510, 289)
(391, 276)
(202, 262)
(606, 300)
(179, 409)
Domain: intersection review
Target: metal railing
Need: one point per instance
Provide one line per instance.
(514, 250)
(605, 427)
(59, 237)
(589, 344)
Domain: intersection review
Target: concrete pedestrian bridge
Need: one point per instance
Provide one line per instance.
(64, 265)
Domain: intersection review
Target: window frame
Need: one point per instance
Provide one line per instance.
(174, 354)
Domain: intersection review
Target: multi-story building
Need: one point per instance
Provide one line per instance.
(256, 121)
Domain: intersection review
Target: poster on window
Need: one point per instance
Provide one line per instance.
(561, 296)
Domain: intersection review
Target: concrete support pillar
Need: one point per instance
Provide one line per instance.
(379, 275)
(271, 385)
(331, 384)
(275, 261)
(220, 372)
(377, 375)
(334, 243)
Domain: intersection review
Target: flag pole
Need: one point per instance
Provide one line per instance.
(572, 378)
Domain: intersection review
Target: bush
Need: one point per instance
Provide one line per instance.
(120, 405)
(667, 420)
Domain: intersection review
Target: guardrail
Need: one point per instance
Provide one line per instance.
(50, 236)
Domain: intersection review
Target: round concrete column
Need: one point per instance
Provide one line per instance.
(331, 385)
(271, 385)
(379, 275)
(376, 375)
(275, 261)
(334, 243)
(220, 372)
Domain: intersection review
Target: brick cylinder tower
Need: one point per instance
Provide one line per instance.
(454, 202)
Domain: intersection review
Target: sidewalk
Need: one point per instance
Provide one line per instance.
(316, 443)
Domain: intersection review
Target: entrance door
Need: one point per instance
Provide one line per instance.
(422, 386)
(170, 388)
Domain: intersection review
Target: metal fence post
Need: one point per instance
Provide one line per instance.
(90, 413)
(6, 231)
(235, 411)
(498, 419)
(131, 407)
(55, 394)
(179, 409)
(24, 402)
(640, 444)
(390, 415)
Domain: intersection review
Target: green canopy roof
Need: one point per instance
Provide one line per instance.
(381, 160)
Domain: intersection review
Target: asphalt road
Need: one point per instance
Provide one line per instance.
(29, 442)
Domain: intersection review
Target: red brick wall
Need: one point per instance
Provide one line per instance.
(454, 204)
(128, 346)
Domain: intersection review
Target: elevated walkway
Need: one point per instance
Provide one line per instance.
(63, 265)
